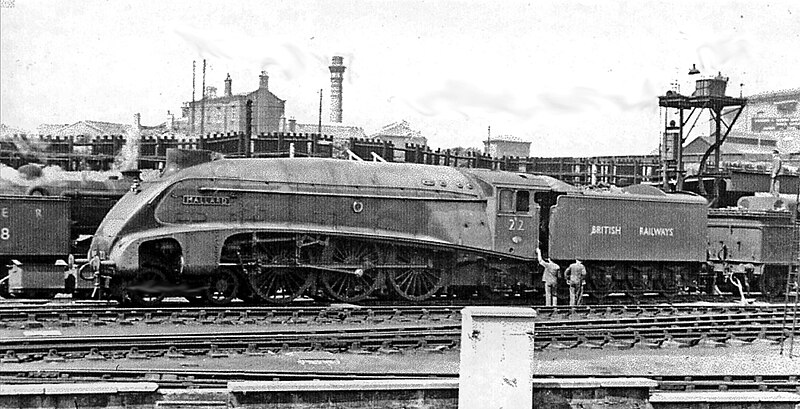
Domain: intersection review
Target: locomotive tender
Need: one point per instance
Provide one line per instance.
(755, 242)
(275, 229)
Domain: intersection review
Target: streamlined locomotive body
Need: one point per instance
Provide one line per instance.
(275, 229)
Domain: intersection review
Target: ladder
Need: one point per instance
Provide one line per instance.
(791, 297)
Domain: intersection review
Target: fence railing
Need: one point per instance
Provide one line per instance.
(101, 153)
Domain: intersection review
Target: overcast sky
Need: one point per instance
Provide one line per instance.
(575, 78)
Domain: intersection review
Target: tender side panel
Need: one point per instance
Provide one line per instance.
(616, 228)
(34, 226)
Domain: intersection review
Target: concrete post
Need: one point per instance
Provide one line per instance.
(496, 358)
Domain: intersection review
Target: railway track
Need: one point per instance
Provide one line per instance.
(46, 316)
(671, 328)
(59, 315)
(223, 344)
(192, 378)
(712, 330)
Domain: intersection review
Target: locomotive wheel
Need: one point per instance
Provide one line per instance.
(280, 285)
(638, 280)
(349, 287)
(416, 284)
(772, 285)
(601, 284)
(4, 292)
(147, 287)
(223, 287)
(669, 282)
(487, 293)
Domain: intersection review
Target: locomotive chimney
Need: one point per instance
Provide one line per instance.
(337, 76)
(178, 159)
(132, 176)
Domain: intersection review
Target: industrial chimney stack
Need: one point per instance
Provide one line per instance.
(228, 86)
(337, 75)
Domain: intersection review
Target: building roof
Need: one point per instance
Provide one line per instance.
(226, 99)
(505, 139)
(337, 131)
(93, 127)
(6, 130)
(787, 93)
(400, 128)
(49, 129)
(701, 144)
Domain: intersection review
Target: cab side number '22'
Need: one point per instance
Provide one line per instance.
(516, 224)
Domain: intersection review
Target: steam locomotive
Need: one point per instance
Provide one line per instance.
(273, 230)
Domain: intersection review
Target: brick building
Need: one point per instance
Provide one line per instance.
(770, 120)
(506, 146)
(400, 133)
(337, 131)
(226, 113)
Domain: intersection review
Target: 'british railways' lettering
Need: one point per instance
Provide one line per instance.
(606, 230)
(643, 231)
(207, 200)
(657, 231)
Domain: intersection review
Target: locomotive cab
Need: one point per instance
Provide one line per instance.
(517, 221)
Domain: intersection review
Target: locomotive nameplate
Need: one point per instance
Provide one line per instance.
(206, 200)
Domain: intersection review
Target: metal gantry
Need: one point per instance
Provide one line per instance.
(710, 95)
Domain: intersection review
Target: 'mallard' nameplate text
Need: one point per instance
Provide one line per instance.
(207, 200)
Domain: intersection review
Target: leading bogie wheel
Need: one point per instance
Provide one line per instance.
(223, 287)
(148, 287)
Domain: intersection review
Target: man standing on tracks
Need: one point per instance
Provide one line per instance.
(777, 165)
(575, 274)
(550, 279)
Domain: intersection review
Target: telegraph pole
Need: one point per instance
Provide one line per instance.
(203, 105)
(319, 125)
(194, 81)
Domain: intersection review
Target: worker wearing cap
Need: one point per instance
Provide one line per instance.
(777, 166)
(550, 279)
(575, 274)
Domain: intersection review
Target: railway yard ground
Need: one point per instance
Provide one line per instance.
(720, 347)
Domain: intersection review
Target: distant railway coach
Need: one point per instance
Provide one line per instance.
(34, 244)
(19, 215)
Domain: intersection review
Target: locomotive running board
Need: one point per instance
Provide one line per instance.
(357, 270)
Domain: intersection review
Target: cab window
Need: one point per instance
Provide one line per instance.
(523, 201)
(506, 200)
